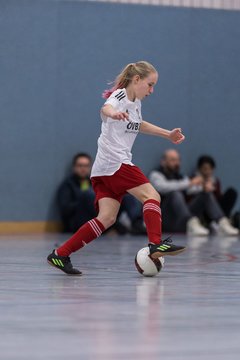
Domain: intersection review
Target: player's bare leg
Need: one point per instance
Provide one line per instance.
(108, 211)
(150, 199)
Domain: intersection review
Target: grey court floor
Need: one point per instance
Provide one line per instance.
(191, 310)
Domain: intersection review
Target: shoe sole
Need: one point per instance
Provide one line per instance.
(49, 262)
(158, 254)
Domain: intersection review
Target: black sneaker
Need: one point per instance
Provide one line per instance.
(165, 248)
(63, 263)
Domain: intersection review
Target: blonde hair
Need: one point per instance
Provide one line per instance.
(141, 68)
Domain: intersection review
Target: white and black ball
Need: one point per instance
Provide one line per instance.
(146, 265)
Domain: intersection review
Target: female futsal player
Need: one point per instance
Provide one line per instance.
(114, 174)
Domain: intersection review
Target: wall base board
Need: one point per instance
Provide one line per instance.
(22, 227)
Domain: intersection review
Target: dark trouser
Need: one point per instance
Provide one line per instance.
(176, 211)
(132, 207)
(84, 212)
(228, 200)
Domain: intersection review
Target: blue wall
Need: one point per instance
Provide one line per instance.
(55, 59)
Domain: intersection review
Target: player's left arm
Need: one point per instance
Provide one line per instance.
(174, 135)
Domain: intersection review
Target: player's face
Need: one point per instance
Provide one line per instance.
(144, 87)
(82, 167)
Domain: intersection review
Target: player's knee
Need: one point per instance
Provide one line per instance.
(111, 220)
(157, 196)
(107, 220)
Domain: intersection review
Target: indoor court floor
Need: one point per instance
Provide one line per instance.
(191, 310)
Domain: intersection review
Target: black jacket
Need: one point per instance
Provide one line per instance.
(76, 205)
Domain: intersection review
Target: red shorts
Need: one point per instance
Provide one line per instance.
(115, 186)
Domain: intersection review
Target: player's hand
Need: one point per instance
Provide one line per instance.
(176, 136)
(120, 115)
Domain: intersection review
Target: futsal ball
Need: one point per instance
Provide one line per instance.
(146, 265)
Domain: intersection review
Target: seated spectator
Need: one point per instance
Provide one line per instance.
(76, 196)
(205, 168)
(76, 200)
(179, 214)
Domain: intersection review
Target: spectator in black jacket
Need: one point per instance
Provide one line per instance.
(76, 196)
(76, 200)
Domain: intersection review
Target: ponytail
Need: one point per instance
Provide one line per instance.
(141, 68)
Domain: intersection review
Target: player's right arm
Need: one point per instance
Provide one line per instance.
(109, 111)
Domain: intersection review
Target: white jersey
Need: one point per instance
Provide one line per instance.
(117, 136)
